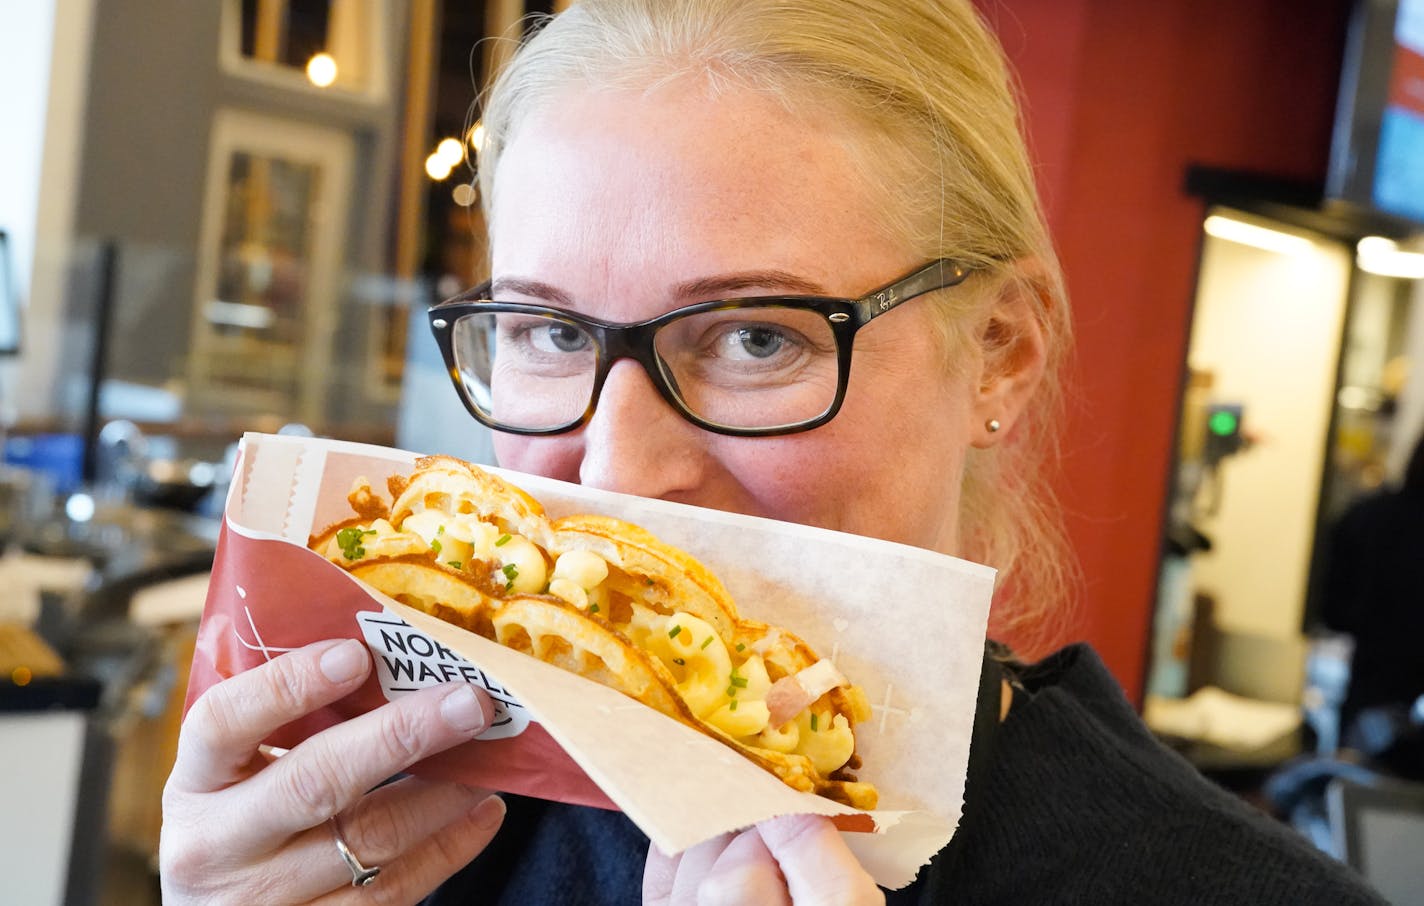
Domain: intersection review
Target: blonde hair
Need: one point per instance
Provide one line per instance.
(943, 147)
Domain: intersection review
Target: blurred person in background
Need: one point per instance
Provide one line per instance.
(1374, 590)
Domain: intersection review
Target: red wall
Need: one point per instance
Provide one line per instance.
(1120, 96)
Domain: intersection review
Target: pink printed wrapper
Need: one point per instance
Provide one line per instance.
(904, 624)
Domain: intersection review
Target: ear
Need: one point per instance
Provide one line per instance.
(1013, 353)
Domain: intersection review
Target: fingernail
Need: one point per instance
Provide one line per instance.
(461, 710)
(343, 663)
(489, 815)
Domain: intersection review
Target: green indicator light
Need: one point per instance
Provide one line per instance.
(1223, 424)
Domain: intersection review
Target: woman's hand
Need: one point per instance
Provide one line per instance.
(798, 859)
(239, 827)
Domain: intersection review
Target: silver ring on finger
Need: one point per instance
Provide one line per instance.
(360, 874)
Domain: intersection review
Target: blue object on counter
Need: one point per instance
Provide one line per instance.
(60, 457)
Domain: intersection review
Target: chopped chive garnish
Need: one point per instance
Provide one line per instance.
(503, 540)
(435, 546)
(349, 540)
(707, 641)
(440, 531)
(672, 633)
(648, 581)
(733, 705)
(453, 564)
(511, 572)
(741, 646)
(813, 721)
(593, 608)
(731, 691)
(739, 681)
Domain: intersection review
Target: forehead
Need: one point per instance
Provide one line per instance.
(602, 188)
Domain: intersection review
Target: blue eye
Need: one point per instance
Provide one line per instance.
(759, 342)
(567, 338)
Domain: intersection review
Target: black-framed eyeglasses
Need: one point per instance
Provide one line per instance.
(747, 367)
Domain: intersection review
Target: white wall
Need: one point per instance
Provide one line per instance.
(1268, 326)
(41, 109)
(25, 43)
(1409, 420)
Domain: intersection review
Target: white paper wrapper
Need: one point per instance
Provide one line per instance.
(905, 624)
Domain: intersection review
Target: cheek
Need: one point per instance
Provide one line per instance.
(553, 457)
(817, 478)
(789, 478)
(893, 466)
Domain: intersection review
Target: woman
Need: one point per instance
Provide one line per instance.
(647, 155)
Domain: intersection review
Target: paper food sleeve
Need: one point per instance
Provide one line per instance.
(904, 624)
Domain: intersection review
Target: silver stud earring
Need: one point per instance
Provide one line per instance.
(992, 426)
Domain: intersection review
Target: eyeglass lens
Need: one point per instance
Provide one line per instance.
(756, 367)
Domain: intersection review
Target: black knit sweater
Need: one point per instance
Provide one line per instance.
(1081, 805)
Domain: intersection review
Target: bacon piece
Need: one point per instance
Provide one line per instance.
(790, 695)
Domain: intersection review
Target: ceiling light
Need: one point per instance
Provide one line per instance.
(321, 70)
(465, 195)
(1381, 256)
(437, 168)
(451, 151)
(239, 314)
(1258, 236)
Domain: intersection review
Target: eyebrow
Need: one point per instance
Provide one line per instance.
(533, 288)
(724, 284)
(716, 287)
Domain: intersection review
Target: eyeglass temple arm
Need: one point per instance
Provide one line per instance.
(938, 274)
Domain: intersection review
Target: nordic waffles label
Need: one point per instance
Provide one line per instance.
(408, 659)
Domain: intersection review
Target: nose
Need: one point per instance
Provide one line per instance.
(637, 444)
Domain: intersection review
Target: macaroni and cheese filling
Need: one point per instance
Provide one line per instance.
(608, 600)
(724, 687)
